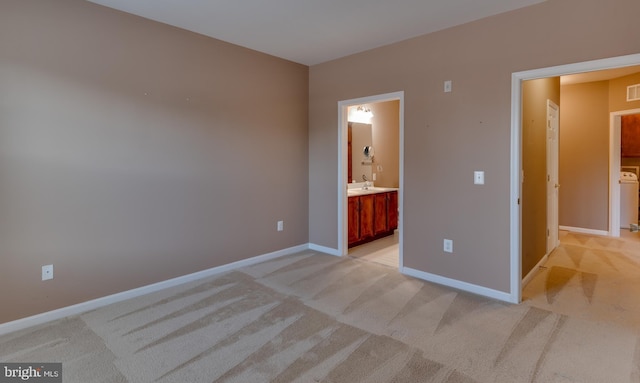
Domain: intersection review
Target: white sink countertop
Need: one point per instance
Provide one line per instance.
(351, 192)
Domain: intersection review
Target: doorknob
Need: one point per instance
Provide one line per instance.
(557, 186)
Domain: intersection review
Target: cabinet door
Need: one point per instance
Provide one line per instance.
(630, 140)
(392, 210)
(380, 213)
(354, 219)
(349, 155)
(366, 216)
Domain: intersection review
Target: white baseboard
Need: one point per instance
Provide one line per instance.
(464, 286)
(534, 271)
(584, 231)
(323, 249)
(79, 308)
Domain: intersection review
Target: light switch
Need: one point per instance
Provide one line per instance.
(478, 177)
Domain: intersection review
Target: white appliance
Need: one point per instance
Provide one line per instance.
(628, 199)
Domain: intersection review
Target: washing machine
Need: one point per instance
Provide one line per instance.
(628, 199)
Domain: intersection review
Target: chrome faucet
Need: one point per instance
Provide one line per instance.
(366, 182)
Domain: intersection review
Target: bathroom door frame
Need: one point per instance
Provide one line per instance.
(343, 157)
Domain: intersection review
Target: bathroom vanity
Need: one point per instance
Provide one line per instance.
(372, 214)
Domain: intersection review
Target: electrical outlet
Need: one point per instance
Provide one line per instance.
(478, 177)
(448, 246)
(447, 86)
(280, 225)
(47, 272)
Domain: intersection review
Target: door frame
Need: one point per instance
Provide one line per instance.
(517, 78)
(552, 169)
(343, 247)
(615, 152)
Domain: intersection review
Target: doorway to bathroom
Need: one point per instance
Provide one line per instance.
(370, 177)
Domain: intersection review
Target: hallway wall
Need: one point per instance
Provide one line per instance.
(535, 94)
(584, 149)
(584, 156)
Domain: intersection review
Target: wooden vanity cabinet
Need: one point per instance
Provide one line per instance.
(367, 216)
(361, 218)
(353, 218)
(381, 223)
(392, 210)
(372, 216)
(630, 136)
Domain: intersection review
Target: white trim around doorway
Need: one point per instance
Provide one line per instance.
(615, 137)
(342, 167)
(517, 78)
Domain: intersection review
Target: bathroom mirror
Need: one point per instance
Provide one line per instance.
(360, 152)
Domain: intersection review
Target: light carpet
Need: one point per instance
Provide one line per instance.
(311, 317)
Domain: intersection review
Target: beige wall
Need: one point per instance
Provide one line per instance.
(618, 93)
(449, 135)
(584, 156)
(584, 149)
(535, 94)
(385, 125)
(618, 102)
(132, 152)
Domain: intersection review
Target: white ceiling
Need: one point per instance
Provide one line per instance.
(314, 31)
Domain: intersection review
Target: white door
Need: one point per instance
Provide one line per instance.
(552, 176)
